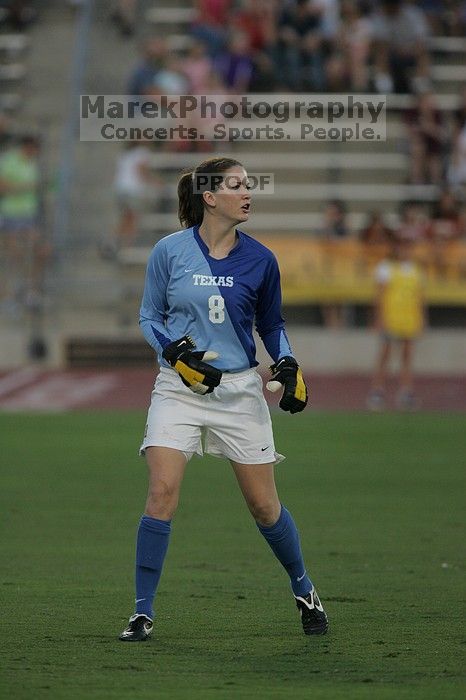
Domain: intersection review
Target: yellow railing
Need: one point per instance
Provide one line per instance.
(343, 271)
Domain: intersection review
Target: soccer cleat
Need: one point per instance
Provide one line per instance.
(376, 400)
(407, 401)
(138, 630)
(313, 617)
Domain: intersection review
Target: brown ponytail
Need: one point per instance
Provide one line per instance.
(190, 203)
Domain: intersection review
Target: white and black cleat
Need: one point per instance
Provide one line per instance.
(138, 630)
(376, 400)
(313, 617)
(407, 401)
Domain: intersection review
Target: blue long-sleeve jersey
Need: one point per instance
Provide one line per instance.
(188, 292)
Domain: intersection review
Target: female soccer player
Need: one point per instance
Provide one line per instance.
(205, 286)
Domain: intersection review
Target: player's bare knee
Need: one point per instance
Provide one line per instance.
(162, 500)
(161, 511)
(266, 513)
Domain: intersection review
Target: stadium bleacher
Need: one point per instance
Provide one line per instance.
(365, 178)
(305, 179)
(448, 74)
(13, 47)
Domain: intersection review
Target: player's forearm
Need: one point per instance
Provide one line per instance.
(276, 343)
(155, 333)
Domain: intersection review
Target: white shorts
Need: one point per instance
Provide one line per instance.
(233, 421)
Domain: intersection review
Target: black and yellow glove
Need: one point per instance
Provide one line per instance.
(287, 375)
(199, 376)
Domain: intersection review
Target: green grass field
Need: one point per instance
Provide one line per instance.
(378, 500)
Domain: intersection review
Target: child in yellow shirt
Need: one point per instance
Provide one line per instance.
(399, 316)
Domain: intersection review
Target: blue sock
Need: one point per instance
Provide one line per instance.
(283, 539)
(151, 547)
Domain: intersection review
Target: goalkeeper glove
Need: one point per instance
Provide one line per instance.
(288, 376)
(199, 376)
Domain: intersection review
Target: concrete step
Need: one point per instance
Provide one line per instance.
(290, 148)
(12, 72)
(10, 102)
(445, 101)
(290, 222)
(300, 161)
(169, 15)
(448, 44)
(298, 177)
(449, 73)
(13, 44)
(349, 191)
(313, 207)
(443, 49)
(87, 281)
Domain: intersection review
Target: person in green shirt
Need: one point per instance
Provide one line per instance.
(21, 243)
(19, 179)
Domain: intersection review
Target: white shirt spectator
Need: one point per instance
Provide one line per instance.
(330, 16)
(402, 29)
(128, 177)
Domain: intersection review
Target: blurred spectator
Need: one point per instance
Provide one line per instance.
(124, 16)
(264, 77)
(235, 65)
(413, 224)
(5, 131)
(337, 78)
(334, 219)
(447, 223)
(428, 138)
(435, 12)
(456, 174)
(215, 87)
(458, 16)
(257, 20)
(329, 13)
(299, 51)
(197, 67)
(205, 124)
(213, 16)
(399, 318)
(171, 79)
(154, 58)
(375, 231)
(355, 39)
(25, 250)
(333, 228)
(400, 47)
(446, 17)
(19, 13)
(135, 186)
(459, 115)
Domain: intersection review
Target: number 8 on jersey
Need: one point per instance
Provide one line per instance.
(216, 308)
